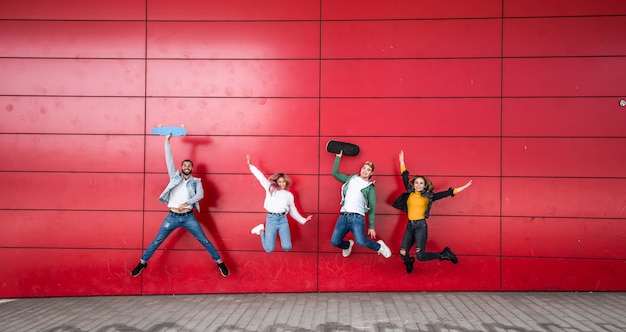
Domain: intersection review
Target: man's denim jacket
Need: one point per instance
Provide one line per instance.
(194, 185)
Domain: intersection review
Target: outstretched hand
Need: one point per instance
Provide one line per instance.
(401, 157)
(168, 137)
(371, 233)
(340, 153)
(248, 159)
(459, 189)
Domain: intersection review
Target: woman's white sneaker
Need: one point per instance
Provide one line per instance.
(257, 229)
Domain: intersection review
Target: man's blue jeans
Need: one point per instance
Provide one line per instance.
(172, 222)
(355, 223)
(276, 224)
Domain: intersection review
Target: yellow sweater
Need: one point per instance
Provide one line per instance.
(416, 204)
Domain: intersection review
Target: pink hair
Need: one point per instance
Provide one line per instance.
(274, 178)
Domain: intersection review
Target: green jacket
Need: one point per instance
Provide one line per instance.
(369, 192)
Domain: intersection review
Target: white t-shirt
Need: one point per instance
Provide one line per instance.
(354, 202)
(179, 195)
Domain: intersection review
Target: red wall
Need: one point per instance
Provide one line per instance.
(521, 96)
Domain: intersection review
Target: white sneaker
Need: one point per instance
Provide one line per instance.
(347, 252)
(384, 250)
(257, 229)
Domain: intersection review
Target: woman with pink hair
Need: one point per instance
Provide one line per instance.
(278, 202)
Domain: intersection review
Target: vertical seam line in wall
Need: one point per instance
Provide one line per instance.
(501, 124)
(145, 134)
(319, 142)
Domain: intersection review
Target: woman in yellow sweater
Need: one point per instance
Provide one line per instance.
(416, 202)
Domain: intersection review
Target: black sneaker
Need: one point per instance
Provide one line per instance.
(409, 264)
(449, 255)
(137, 270)
(223, 269)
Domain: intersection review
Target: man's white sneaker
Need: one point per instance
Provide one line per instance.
(347, 252)
(384, 250)
(257, 229)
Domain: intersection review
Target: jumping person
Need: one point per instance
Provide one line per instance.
(416, 202)
(358, 197)
(278, 202)
(181, 195)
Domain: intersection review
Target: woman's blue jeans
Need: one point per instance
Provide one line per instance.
(276, 224)
(172, 222)
(355, 223)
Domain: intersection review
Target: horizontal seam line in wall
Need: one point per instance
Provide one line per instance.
(320, 97)
(483, 57)
(322, 136)
(328, 174)
(333, 213)
(327, 136)
(309, 20)
(312, 252)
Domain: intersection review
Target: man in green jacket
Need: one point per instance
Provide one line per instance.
(358, 196)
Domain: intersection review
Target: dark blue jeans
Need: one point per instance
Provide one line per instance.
(172, 222)
(355, 223)
(417, 233)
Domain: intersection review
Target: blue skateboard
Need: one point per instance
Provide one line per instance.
(170, 130)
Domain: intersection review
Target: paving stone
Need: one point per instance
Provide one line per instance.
(321, 312)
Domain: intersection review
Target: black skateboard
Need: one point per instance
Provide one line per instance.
(349, 149)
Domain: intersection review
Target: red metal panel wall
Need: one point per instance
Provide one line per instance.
(411, 78)
(72, 229)
(408, 9)
(563, 117)
(72, 77)
(571, 157)
(46, 272)
(232, 78)
(522, 97)
(412, 39)
(45, 39)
(464, 117)
(584, 239)
(563, 77)
(74, 10)
(86, 153)
(562, 150)
(245, 10)
(72, 115)
(572, 36)
(237, 116)
(227, 40)
(547, 8)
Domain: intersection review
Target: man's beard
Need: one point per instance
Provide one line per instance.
(187, 172)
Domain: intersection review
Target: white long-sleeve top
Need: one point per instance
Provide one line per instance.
(281, 201)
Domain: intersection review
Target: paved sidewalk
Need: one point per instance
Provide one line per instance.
(321, 312)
